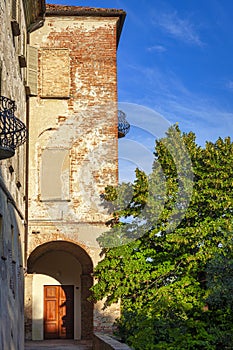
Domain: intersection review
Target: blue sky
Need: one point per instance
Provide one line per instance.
(176, 57)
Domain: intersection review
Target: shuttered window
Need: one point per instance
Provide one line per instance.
(32, 69)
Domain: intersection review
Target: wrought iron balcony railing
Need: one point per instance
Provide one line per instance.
(123, 125)
(13, 132)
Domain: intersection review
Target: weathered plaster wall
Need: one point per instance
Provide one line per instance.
(75, 111)
(12, 190)
(85, 123)
(12, 87)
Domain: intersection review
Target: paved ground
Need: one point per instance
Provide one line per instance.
(58, 345)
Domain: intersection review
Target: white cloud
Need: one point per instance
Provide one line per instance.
(200, 115)
(166, 94)
(209, 122)
(181, 29)
(157, 48)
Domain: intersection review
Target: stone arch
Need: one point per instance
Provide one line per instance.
(77, 251)
(47, 250)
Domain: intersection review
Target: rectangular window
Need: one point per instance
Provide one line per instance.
(55, 73)
(55, 174)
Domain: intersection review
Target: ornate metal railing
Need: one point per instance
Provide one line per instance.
(123, 125)
(13, 132)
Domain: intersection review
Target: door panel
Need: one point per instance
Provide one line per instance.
(50, 312)
(58, 312)
(62, 314)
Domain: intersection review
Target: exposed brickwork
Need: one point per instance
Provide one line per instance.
(104, 319)
(90, 112)
(61, 10)
(82, 120)
(52, 9)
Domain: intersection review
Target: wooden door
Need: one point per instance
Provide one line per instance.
(58, 312)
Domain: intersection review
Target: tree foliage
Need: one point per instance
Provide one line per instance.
(168, 254)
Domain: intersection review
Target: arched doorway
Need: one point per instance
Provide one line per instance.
(59, 280)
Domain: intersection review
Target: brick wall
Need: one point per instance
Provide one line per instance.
(75, 110)
(83, 118)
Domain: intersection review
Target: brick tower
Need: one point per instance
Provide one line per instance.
(73, 130)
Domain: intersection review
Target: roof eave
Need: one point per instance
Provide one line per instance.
(34, 13)
(60, 10)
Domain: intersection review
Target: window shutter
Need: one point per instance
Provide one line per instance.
(32, 69)
(14, 10)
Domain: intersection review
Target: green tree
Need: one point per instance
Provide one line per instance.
(166, 231)
(220, 299)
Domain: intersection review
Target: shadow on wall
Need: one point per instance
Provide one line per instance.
(11, 263)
